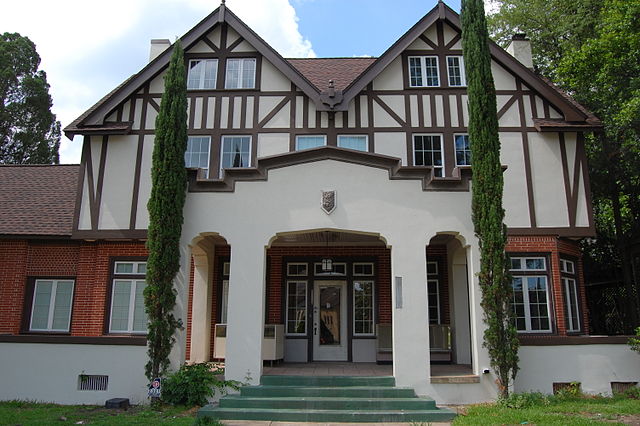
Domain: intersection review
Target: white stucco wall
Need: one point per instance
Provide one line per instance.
(594, 366)
(49, 372)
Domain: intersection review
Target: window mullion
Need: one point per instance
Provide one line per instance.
(132, 302)
(525, 299)
(52, 302)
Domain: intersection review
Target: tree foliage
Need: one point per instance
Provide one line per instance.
(500, 336)
(29, 132)
(591, 49)
(166, 203)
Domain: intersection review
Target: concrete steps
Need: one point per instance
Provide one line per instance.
(327, 399)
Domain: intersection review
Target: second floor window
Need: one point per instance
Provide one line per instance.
(463, 150)
(202, 74)
(310, 141)
(423, 71)
(241, 73)
(455, 68)
(197, 153)
(357, 142)
(236, 152)
(427, 151)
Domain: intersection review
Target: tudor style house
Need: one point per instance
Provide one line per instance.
(328, 218)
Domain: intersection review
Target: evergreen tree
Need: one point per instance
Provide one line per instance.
(29, 132)
(166, 203)
(500, 337)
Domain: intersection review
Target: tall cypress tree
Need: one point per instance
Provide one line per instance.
(168, 191)
(500, 337)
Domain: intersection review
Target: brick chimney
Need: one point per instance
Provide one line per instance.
(520, 48)
(158, 45)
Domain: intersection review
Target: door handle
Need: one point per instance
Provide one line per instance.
(315, 331)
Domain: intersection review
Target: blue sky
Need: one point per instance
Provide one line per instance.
(87, 51)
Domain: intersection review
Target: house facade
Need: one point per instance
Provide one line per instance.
(327, 219)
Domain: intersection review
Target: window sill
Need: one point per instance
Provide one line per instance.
(79, 340)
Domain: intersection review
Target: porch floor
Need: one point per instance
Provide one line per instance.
(440, 373)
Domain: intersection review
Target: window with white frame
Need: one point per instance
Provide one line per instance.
(463, 150)
(310, 141)
(455, 70)
(355, 142)
(363, 307)
(427, 151)
(236, 152)
(433, 292)
(224, 303)
(51, 305)
(197, 153)
(423, 71)
(296, 307)
(570, 288)
(241, 73)
(202, 74)
(127, 298)
(531, 304)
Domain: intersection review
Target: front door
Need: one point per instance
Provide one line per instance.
(330, 321)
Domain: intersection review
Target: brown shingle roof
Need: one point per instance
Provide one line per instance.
(37, 199)
(341, 70)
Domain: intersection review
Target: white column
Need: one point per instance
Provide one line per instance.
(411, 319)
(245, 316)
(201, 305)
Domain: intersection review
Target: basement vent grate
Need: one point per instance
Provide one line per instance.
(87, 382)
(621, 387)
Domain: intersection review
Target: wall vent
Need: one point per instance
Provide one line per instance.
(88, 382)
(621, 387)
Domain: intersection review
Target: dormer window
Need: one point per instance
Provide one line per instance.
(241, 73)
(423, 71)
(202, 74)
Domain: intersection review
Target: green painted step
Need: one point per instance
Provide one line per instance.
(328, 391)
(328, 381)
(296, 415)
(324, 403)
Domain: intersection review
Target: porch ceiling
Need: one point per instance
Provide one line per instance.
(327, 238)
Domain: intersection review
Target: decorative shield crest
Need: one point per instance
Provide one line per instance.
(328, 201)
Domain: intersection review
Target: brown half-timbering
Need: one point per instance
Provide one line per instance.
(527, 156)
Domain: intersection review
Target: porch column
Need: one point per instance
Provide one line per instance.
(245, 316)
(410, 314)
(201, 305)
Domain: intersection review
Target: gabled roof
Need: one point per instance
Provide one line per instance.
(341, 70)
(95, 116)
(37, 200)
(443, 12)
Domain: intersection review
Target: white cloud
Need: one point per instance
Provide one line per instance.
(88, 48)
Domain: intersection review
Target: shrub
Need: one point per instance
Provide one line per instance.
(525, 400)
(192, 384)
(634, 342)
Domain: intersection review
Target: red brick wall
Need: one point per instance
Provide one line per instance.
(554, 248)
(88, 262)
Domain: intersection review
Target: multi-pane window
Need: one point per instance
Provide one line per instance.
(336, 269)
(356, 142)
(531, 304)
(296, 307)
(241, 73)
(363, 310)
(423, 71)
(202, 74)
(127, 299)
(463, 150)
(310, 141)
(433, 292)
(570, 288)
(455, 69)
(51, 308)
(197, 153)
(427, 151)
(236, 152)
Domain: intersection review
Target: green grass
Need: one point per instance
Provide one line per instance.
(555, 411)
(29, 413)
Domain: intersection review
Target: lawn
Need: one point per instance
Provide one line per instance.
(554, 411)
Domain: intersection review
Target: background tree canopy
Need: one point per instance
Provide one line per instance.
(591, 49)
(29, 132)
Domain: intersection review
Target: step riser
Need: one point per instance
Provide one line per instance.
(327, 392)
(326, 381)
(436, 416)
(353, 404)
